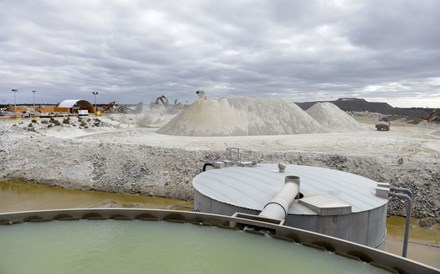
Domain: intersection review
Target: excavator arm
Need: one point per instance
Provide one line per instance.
(162, 99)
(432, 116)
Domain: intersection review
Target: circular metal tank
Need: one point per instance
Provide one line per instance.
(328, 252)
(331, 202)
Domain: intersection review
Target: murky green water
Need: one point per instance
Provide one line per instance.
(18, 195)
(424, 242)
(156, 247)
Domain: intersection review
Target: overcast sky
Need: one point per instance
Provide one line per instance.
(132, 51)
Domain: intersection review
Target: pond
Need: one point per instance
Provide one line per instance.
(18, 195)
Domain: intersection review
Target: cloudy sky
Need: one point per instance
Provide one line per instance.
(132, 51)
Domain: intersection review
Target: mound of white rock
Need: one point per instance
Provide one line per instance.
(241, 116)
(333, 118)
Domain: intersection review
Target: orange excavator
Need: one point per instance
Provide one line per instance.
(109, 106)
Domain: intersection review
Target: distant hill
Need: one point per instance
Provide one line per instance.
(355, 104)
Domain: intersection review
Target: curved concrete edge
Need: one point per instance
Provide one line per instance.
(341, 247)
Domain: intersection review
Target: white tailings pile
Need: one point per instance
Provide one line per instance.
(333, 118)
(241, 116)
(149, 117)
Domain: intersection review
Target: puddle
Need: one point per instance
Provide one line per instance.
(424, 242)
(18, 195)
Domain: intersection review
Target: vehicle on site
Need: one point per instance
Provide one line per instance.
(201, 95)
(433, 116)
(30, 113)
(383, 124)
(161, 99)
(127, 110)
(109, 106)
(83, 112)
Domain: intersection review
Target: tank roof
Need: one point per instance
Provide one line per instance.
(325, 191)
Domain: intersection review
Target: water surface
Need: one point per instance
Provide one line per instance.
(83, 247)
(18, 195)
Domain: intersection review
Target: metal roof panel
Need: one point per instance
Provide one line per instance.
(253, 187)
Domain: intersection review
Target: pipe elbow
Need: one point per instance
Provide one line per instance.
(205, 165)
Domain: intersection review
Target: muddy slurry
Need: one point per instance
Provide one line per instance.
(19, 195)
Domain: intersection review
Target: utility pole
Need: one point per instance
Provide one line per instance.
(95, 93)
(15, 105)
(34, 98)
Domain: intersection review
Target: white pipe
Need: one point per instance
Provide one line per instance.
(278, 206)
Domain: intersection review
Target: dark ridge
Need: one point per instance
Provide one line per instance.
(355, 104)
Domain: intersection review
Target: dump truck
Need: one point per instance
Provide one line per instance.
(383, 124)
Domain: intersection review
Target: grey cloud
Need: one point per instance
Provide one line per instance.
(398, 25)
(299, 50)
